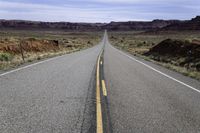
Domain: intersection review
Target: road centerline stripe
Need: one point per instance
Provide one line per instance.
(104, 88)
(99, 122)
(150, 67)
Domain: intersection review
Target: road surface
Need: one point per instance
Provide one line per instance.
(146, 98)
(54, 96)
(62, 95)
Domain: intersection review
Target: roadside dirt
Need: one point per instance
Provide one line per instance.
(28, 45)
(178, 52)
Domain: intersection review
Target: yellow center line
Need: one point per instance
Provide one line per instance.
(104, 88)
(98, 101)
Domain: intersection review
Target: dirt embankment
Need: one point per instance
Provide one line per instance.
(28, 45)
(177, 52)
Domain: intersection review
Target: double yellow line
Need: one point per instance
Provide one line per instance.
(99, 128)
(104, 87)
(99, 121)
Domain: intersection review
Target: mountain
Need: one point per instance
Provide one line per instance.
(139, 25)
(193, 24)
(67, 26)
(37, 25)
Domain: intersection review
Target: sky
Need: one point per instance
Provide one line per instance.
(98, 10)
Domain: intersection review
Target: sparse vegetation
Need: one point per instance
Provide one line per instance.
(186, 43)
(5, 57)
(37, 45)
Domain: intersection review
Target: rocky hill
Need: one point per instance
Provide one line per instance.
(67, 26)
(177, 52)
(193, 24)
(37, 25)
(139, 25)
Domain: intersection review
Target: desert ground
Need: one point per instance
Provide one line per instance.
(175, 50)
(36, 45)
(179, 51)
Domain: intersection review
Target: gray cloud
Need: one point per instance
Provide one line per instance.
(137, 10)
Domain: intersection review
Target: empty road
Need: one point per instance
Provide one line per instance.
(146, 98)
(61, 95)
(55, 96)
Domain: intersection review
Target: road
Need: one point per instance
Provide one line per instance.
(50, 97)
(63, 95)
(146, 98)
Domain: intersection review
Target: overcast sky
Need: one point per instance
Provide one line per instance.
(98, 10)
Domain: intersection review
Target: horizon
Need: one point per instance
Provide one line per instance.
(98, 11)
(96, 22)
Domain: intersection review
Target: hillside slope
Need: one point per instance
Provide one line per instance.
(67, 26)
(193, 24)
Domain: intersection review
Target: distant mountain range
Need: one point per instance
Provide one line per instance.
(37, 25)
(193, 24)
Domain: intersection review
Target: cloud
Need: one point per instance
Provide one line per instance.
(16, 10)
(136, 1)
(89, 11)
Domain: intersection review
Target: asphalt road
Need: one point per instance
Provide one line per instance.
(58, 95)
(55, 96)
(142, 100)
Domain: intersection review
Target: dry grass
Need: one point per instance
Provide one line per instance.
(38, 45)
(140, 43)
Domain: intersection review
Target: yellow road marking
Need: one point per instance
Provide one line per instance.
(98, 101)
(104, 88)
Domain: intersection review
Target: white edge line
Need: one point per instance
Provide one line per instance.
(34, 64)
(158, 71)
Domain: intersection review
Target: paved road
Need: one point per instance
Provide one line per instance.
(50, 97)
(58, 95)
(142, 100)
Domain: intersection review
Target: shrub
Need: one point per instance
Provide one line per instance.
(198, 66)
(5, 57)
(30, 60)
(38, 58)
(88, 42)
